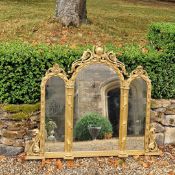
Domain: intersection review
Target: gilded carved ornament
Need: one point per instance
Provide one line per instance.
(152, 145)
(32, 147)
(139, 71)
(56, 70)
(98, 54)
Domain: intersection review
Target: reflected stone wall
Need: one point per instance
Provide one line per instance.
(137, 107)
(88, 86)
(55, 105)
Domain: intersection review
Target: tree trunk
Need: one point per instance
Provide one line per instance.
(71, 12)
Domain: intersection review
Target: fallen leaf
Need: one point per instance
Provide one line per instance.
(161, 153)
(163, 163)
(147, 158)
(124, 165)
(21, 157)
(70, 163)
(113, 162)
(144, 50)
(2, 158)
(44, 162)
(144, 164)
(48, 161)
(59, 164)
(171, 173)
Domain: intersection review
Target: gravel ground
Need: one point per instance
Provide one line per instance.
(133, 165)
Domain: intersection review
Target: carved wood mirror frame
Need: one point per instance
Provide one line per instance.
(35, 149)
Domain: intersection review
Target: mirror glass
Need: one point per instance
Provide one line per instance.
(96, 109)
(55, 115)
(136, 114)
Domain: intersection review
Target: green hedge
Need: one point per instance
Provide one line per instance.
(81, 131)
(22, 67)
(160, 67)
(162, 36)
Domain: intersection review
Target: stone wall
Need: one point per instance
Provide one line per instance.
(88, 89)
(163, 118)
(14, 132)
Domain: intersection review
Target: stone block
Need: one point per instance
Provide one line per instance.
(7, 141)
(10, 150)
(9, 134)
(173, 101)
(160, 138)
(15, 126)
(160, 110)
(153, 115)
(169, 120)
(4, 115)
(35, 118)
(13, 134)
(169, 135)
(158, 127)
(160, 103)
(170, 110)
(160, 117)
(19, 143)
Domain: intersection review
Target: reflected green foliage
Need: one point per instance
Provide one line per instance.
(81, 127)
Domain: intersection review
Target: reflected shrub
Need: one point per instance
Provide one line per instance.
(81, 131)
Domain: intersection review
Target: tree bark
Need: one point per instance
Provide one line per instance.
(71, 12)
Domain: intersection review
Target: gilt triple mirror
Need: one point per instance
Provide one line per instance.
(99, 110)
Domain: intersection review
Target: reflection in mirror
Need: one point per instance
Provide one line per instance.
(55, 115)
(96, 109)
(136, 114)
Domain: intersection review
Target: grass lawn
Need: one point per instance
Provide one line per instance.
(113, 21)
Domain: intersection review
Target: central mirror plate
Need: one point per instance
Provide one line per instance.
(96, 109)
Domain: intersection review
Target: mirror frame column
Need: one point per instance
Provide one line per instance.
(123, 118)
(69, 120)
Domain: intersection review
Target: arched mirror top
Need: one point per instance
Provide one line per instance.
(98, 56)
(139, 72)
(54, 71)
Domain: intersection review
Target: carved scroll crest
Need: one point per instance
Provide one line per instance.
(98, 54)
(56, 69)
(139, 71)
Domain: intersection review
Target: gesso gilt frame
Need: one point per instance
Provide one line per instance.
(35, 149)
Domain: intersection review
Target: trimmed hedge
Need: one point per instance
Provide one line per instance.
(160, 67)
(81, 131)
(22, 67)
(162, 36)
